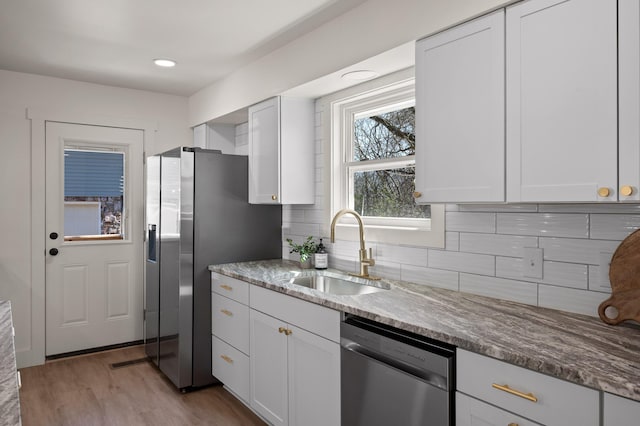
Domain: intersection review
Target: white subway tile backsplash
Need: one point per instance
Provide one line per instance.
(517, 291)
(494, 208)
(590, 208)
(544, 224)
(483, 244)
(500, 245)
(565, 274)
(569, 299)
(462, 262)
(452, 241)
(400, 254)
(613, 226)
(428, 276)
(385, 270)
(470, 222)
(599, 278)
(576, 250)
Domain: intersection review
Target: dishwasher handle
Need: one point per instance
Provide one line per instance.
(426, 376)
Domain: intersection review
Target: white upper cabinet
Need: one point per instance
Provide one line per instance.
(629, 99)
(561, 91)
(460, 147)
(281, 151)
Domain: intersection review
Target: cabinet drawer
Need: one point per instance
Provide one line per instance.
(472, 412)
(558, 402)
(231, 367)
(230, 287)
(230, 322)
(317, 319)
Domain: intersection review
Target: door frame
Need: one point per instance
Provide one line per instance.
(35, 354)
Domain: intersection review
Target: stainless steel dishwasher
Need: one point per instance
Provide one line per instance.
(392, 377)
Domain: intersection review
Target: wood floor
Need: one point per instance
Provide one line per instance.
(86, 391)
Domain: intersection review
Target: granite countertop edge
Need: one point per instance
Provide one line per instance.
(577, 348)
(9, 396)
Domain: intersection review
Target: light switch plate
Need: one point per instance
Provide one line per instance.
(532, 262)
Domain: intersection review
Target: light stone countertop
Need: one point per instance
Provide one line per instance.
(9, 398)
(577, 348)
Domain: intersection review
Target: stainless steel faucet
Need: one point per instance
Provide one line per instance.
(365, 256)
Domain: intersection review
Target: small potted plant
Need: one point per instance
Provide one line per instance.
(306, 250)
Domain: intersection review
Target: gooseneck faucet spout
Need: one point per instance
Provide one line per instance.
(365, 256)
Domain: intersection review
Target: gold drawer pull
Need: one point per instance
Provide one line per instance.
(226, 287)
(506, 388)
(281, 329)
(287, 332)
(603, 192)
(226, 358)
(226, 312)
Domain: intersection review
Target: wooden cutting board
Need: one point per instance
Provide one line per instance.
(624, 275)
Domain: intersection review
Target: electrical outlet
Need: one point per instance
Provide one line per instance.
(532, 262)
(603, 269)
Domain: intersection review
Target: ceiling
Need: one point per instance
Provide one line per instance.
(114, 42)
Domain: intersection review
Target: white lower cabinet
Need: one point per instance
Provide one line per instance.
(472, 412)
(295, 372)
(620, 411)
(231, 367)
(530, 395)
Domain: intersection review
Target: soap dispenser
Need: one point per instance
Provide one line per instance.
(321, 257)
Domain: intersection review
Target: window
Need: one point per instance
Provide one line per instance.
(373, 164)
(93, 194)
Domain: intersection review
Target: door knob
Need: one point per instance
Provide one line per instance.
(53, 252)
(53, 235)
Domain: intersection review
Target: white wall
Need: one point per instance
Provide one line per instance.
(374, 27)
(483, 253)
(18, 195)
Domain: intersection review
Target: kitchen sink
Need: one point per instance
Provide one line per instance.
(338, 284)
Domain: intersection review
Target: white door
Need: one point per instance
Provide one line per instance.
(268, 358)
(460, 113)
(314, 379)
(94, 277)
(562, 106)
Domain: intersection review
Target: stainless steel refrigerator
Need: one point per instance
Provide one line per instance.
(197, 214)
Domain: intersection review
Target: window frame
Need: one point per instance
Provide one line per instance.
(341, 110)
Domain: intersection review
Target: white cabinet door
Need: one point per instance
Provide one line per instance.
(620, 411)
(314, 379)
(460, 113)
(629, 99)
(268, 358)
(561, 101)
(264, 152)
(282, 151)
(472, 412)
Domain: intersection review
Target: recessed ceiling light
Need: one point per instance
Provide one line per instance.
(359, 75)
(166, 63)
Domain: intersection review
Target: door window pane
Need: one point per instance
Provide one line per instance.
(93, 194)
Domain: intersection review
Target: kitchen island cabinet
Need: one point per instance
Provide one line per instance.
(620, 411)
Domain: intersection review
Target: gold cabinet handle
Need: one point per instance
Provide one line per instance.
(274, 197)
(506, 388)
(513, 424)
(603, 192)
(226, 358)
(417, 194)
(226, 312)
(226, 287)
(281, 329)
(287, 332)
(626, 190)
